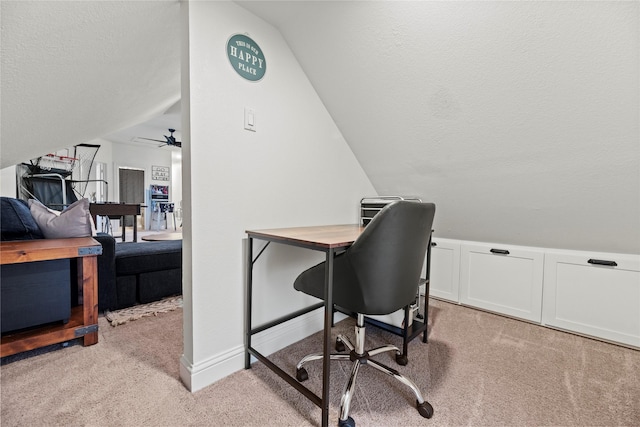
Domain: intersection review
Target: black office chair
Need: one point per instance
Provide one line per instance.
(378, 274)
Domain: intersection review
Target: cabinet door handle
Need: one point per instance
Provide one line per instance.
(433, 244)
(500, 251)
(603, 262)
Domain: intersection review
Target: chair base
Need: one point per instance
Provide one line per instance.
(359, 358)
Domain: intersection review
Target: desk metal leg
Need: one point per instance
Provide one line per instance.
(427, 285)
(247, 305)
(328, 321)
(323, 403)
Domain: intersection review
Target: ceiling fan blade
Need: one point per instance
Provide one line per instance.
(150, 139)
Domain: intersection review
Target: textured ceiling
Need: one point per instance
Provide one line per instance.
(73, 71)
(519, 119)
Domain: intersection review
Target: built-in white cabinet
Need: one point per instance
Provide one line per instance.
(593, 294)
(505, 279)
(596, 294)
(444, 276)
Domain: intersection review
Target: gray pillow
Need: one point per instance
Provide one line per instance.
(74, 221)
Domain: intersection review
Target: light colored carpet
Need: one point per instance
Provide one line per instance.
(478, 369)
(120, 317)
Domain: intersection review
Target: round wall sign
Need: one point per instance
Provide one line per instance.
(246, 57)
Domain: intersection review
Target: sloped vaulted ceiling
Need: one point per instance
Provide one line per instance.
(73, 71)
(519, 119)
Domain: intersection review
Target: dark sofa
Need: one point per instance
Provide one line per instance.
(128, 273)
(144, 272)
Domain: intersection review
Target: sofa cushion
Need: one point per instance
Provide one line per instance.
(74, 221)
(155, 285)
(126, 287)
(16, 221)
(136, 258)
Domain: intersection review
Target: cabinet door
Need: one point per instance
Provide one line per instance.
(444, 277)
(502, 278)
(593, 294)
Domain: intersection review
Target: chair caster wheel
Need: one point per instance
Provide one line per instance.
(302, 375)
(347, 423)
(425, 409)
(402, 359)
(340, 346)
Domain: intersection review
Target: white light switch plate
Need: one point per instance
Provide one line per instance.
(249, 119)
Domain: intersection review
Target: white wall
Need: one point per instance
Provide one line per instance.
(176, 177)
(519, 119)
(8, 182)
(105, 152)
(138, 157)
(295, 170)
(75, 70)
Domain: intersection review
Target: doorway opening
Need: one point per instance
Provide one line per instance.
(131, 189)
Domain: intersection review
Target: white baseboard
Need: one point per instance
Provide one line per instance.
(199, 375)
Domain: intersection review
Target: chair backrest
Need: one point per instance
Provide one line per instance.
(387, 258)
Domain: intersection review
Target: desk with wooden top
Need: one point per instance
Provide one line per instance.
(83, 322)
(117, 210)
(327, 239)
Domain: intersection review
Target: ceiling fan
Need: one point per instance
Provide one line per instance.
(170, 140)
